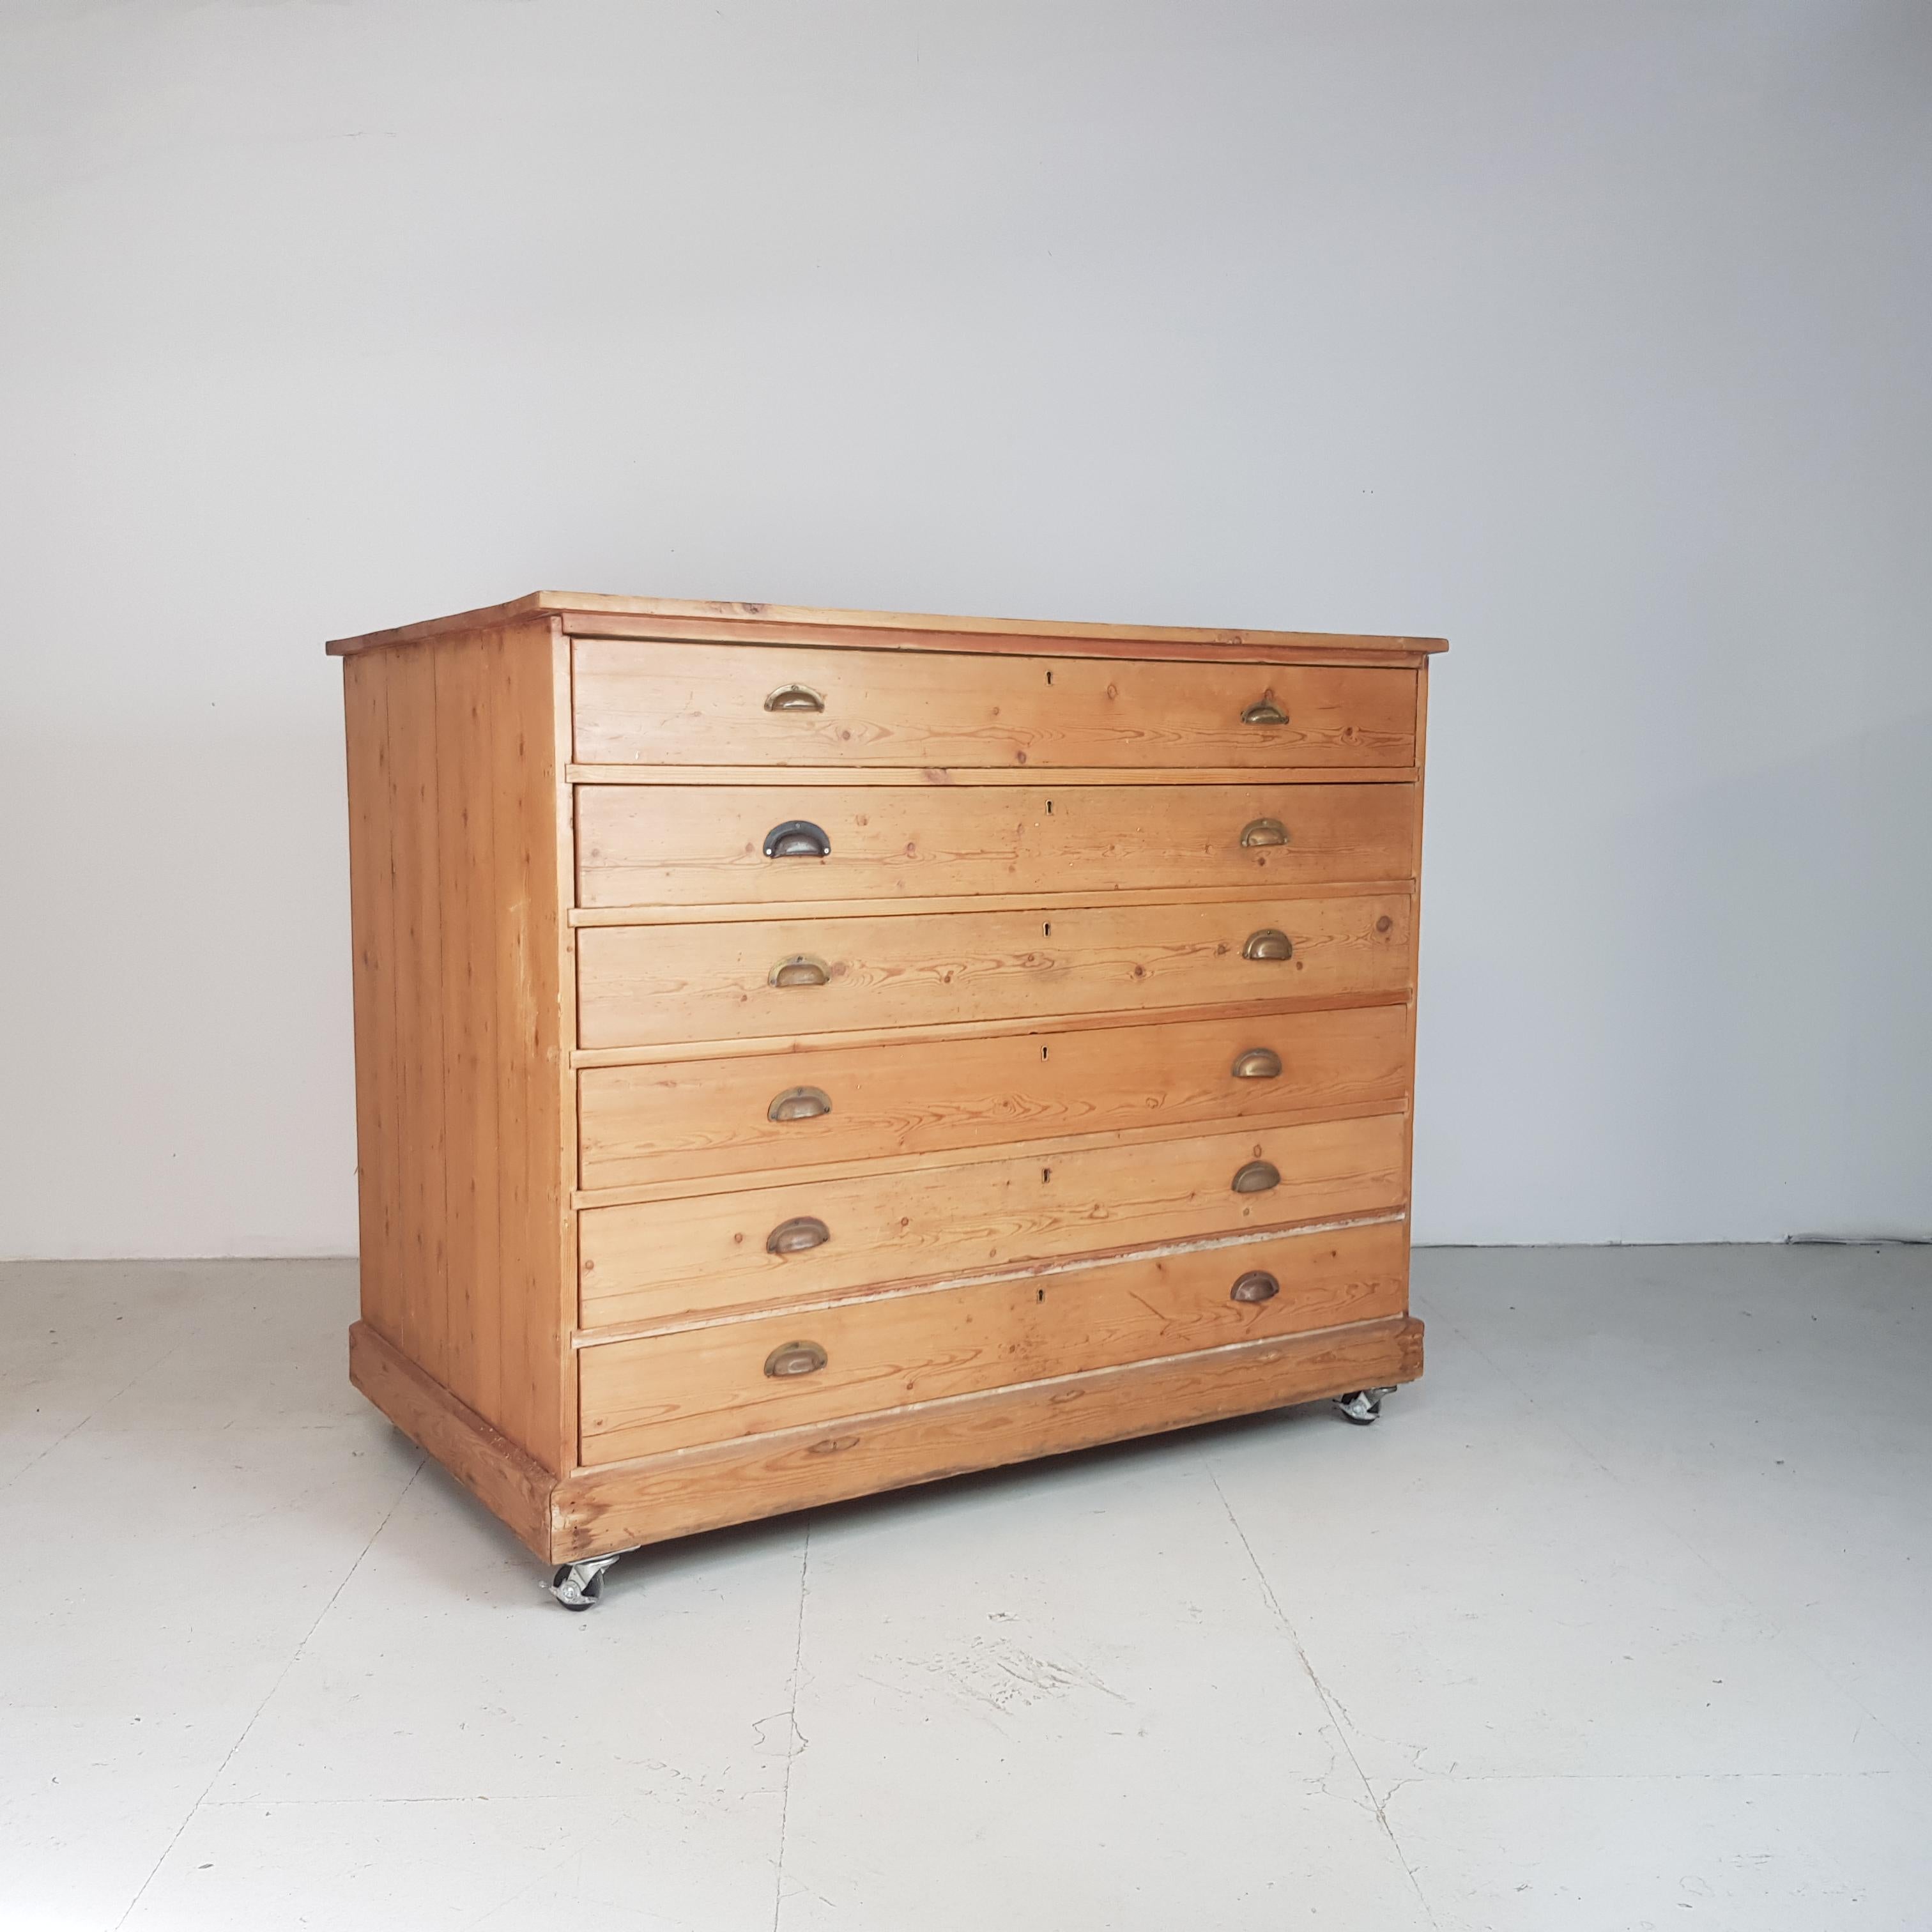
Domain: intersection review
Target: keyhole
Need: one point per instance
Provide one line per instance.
(1049, 808)
(1047, 929)
(1039, 1294)
(1049, 677)
(1046, 1174)
(1043, 1053)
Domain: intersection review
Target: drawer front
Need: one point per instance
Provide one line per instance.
(727, 704)
(658, 845)
(770, 979)
(728, 1379)
(772, 1245)
(641, 1125)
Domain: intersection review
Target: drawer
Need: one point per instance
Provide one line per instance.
(727, 704)
(729, 1379)
(640, 1125)
(768, 978)
(661, 845)
(769, 1246)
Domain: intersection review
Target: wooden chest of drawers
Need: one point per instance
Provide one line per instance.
(800, 1053)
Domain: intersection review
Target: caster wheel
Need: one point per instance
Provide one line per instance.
(574, 1593)
(1362, 1407)
(579, 1586)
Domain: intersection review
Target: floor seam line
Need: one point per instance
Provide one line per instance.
(792, 1735)
(1336, 1717)
(92, 1415)
(268, 1695)
(1689, 1543)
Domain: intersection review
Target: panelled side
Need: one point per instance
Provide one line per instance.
(458, 903)
(1415, 927)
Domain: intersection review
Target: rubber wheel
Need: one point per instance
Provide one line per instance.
(593, 1590)
(1348, 1415)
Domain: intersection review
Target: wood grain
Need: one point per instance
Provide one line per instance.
(708, 1385)
(702, 845)
(1416, 800)
(598, 1511)
(674, 704)
(1392, 653)
(730, 1048)
(417, 934)
(967, 778)
(663, 617)
(593, 1513)
(1031, 923)
(727, 913)
(639, 985)
(557, 828)
(699, 1255)
(711, 1117)
(468, 1268)
(371, 909)
(914, 1166)
(510, 1485)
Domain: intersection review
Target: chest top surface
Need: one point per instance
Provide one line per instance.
(586, 614)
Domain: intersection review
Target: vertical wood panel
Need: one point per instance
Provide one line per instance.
(517, 1023)
(371, 904)
(462, 889)
(526, 775)
(461, 1065)
(563, 1145)
(416, 941)
(1415, 926)
(495, 1130)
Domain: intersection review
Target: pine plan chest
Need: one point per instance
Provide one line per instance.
(801, 1053)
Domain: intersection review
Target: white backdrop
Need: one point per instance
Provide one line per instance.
(1594, 338)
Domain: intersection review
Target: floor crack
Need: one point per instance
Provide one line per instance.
(794, 1741)
(268, 1695)
(1695, 1551)
(1338, 1717)
(142, 1375)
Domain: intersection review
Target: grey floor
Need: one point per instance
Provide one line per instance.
(1622, 1619)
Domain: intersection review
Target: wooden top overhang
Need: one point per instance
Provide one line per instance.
(586, 615)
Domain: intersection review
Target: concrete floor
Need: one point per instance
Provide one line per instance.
(1622, 1619)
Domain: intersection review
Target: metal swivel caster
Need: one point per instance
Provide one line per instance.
(579, 1586)
(1362, 1406)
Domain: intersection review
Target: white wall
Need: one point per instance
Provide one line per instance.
(1594, 337)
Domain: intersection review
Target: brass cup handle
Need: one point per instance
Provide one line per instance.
(800, 970)
(1267, 712)
(1259, 1063)
(795, 1358)
(1264, 832)
(1257, 1177)
(797, 839)
(1257, 1285)
(798, 1236)
(795, 697)
(1268, 943)
(799, 1103)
